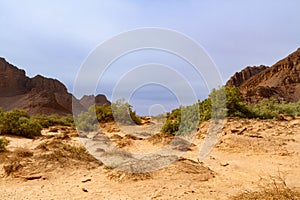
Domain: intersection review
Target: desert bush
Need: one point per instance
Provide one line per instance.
(18, 122)
(182, 120)
(87, 121)
(104, 113)
(61, 151)
(53, 120)
(120, 111)
(273, 188)
(172, 123)
(123, 113)
(78, 153)
(23, 152)
(3, 143)
(272, 108)
(220, 103)
(231, 99)
(13, 166)
(204, 110)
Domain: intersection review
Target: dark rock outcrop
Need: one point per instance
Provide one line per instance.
(89, 100)
(240, 77)
(13, 80)
(280, 81)
(37, 95)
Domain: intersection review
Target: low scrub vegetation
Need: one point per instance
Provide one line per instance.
(20, 123)
(119, 111)
(182, 120)
(53, 120)
(220, 103)
(225, 102)
(60, 151)
(272, 188)
(272, 108)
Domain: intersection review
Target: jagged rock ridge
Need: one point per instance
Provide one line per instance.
(89, 100)
(280, 81)
(240, 77)
(37, 95)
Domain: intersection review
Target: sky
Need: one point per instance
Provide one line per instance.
(55, 38)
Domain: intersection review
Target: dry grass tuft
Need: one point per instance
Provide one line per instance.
(117, 153)
(23, 152)
(273, 188)
(121, 176)
(62, 152)
(13, 167)
(161, 138)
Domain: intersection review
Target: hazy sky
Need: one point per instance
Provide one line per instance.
(53, 38)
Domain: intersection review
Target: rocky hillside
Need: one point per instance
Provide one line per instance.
(281, 81)
(240, 77)
(89, 100)
(37, 95)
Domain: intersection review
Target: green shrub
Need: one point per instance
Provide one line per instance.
(53, 120)
(217, 106)
(182, 120)
(87, 121)
(220, 103)
(104, 113)
(204, 110)
(3, 143)
(272, 108)
(123, 113)
(18, 122)
(231, 99)
(120, 111)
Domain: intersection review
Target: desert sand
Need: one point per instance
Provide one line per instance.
(250, 153)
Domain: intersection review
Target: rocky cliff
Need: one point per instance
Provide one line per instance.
(89, 100)
(37, 95)
(280, 81)
(240, 77)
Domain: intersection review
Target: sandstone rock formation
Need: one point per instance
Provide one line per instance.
(89, 100)
(280, 81)
(240, 77)
(37, 95)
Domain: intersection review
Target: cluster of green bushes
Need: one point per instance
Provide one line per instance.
(182, 120)
(54, 120)
(87, 121)
(225, 102)
(118, 111)
(18, 122)
(272, 108)
(123, 113)
(220, 103)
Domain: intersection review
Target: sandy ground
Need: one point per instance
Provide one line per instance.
(55, 166)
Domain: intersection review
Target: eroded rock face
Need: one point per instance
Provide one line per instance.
(13, 80)
(89, 100)
(240, 77)
(280, 81)
(37, 95)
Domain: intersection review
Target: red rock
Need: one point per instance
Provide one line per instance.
(280, 81)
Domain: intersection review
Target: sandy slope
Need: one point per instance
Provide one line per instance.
(247, 152)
